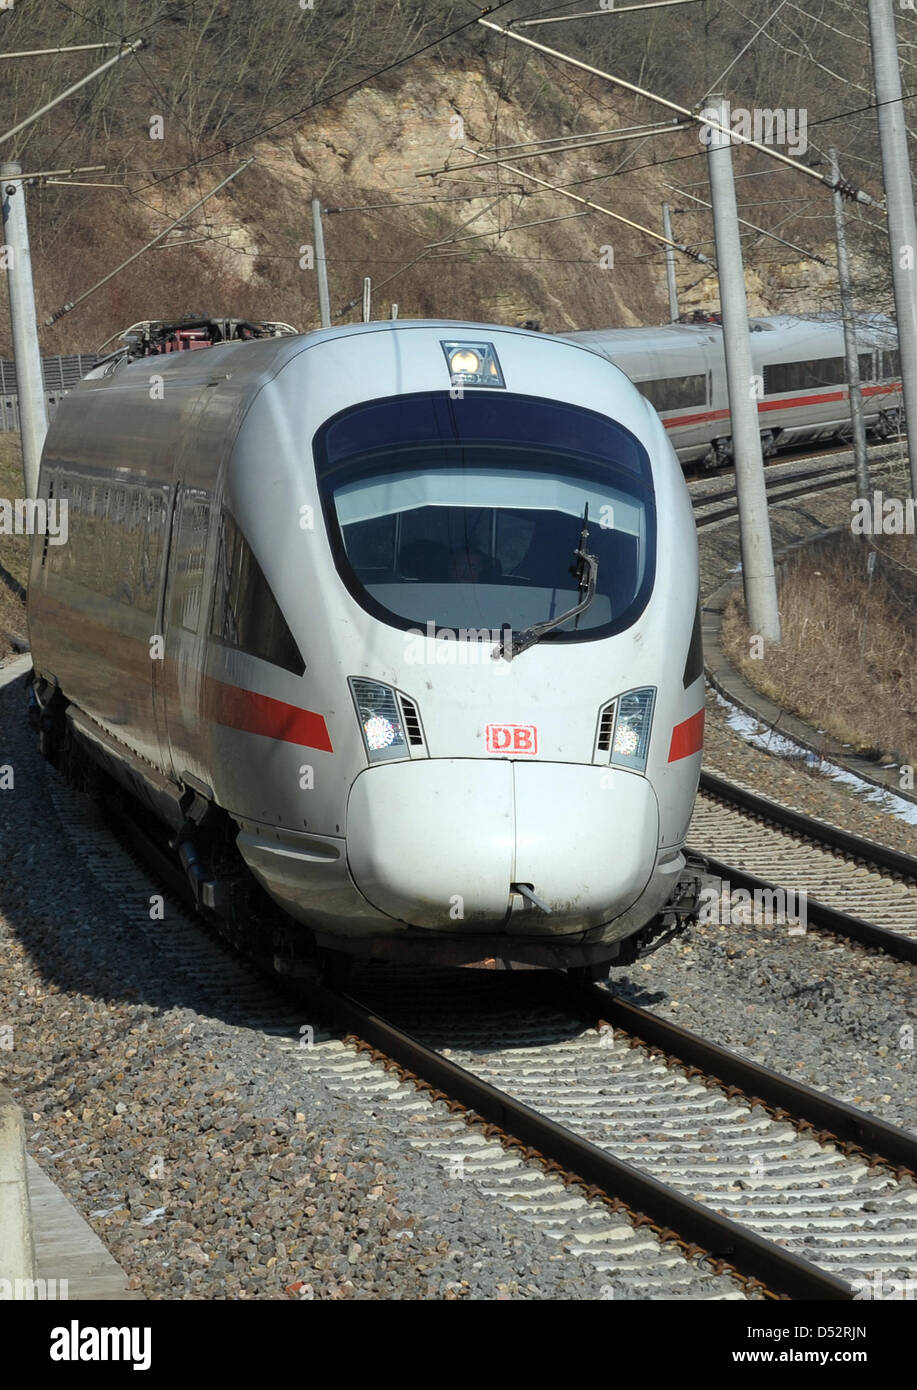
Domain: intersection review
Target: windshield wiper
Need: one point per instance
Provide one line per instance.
(587, 573)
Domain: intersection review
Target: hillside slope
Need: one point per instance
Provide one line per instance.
(215, 75)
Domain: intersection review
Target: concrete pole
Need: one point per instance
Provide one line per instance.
(758, 574)
(850, 340)
(17, 1252)
(899, 195)
(33, 413)
(394, 311)
(321, 265)
(367, 298)
(670, 264)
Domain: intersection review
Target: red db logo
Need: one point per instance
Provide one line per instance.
(512, 738)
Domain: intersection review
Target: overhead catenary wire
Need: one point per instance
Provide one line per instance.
(195, 163)
(608, 212)
(715, 86)
(702, 119)
(346, 90)
(513, 227)
(421, 202)
(72, 304)
(215, 156)
(586, 143)
(811, 255)
(142, 29)
(423, 255)
(582, 135)
(606, 10)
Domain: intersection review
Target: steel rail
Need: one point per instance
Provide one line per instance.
(774, 494)
(893, 861)
(753, 1256)
(820, 915)
(835, 473)
(874, 1137)
(674, 1215)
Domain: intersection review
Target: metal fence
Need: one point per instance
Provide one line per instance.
(60, 374)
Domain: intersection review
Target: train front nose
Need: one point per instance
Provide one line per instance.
(440, 843)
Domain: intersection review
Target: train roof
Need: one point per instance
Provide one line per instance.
(256, 361)
(876, 329)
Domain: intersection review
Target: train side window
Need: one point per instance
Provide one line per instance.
(865, 360)
(89, 561)
(53, 491)
(120, 551)
(246, 615)
(152, 529)
(694, 662)
(675, 392)
(780, 377)
(891, 365)
(188, 555)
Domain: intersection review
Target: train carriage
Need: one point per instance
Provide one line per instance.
(409, 612)
(800, 379)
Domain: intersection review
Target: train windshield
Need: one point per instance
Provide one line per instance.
(465, 514)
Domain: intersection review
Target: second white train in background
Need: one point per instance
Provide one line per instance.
(800, 380)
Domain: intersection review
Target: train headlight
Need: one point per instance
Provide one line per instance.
(630, 742)
(465, 361)
(473, 364)
(380, 719)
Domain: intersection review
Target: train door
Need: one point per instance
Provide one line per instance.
(184, 602)
(166, 506)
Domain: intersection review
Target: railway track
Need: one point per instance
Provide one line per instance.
(757, 844)
(785, 481)
(730, 1155)
(658, 1157)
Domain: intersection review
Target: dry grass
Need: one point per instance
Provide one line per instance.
(14, 550)
(848, 663)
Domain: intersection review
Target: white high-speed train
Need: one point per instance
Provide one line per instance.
(399, 621)
(800, 379)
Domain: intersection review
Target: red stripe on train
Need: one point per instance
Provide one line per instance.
(260, 714)
(703, 416)
(687, 737)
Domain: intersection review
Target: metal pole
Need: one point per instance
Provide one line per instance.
(33, 413)
(902, 228)
(321, 265)
(606, 10)
(670, 265)
(367, 298)
(850, 337)
(71, 48)
(394, 311)
(758, 574)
